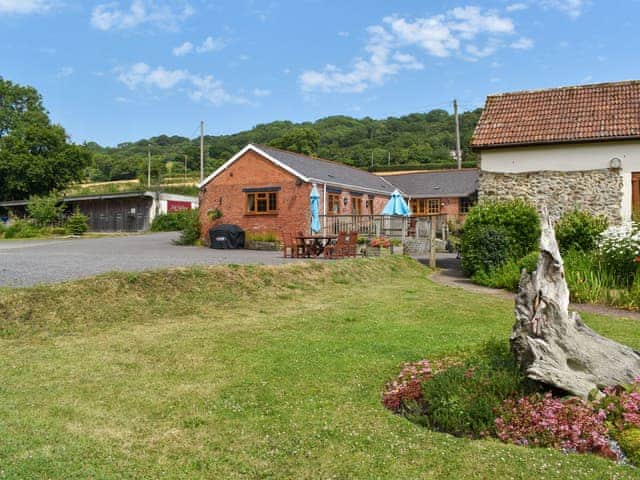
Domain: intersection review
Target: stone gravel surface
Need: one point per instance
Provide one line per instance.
(32, 262)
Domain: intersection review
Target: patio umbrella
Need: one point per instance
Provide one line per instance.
(315, 210)
(396, 205)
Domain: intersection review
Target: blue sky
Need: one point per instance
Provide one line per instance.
(116, 71)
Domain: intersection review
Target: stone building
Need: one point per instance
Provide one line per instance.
(564, 148)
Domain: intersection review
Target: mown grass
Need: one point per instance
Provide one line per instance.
(247, 372)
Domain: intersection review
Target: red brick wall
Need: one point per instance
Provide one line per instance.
(252, 171)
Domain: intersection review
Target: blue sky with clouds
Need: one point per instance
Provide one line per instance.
(115, 71)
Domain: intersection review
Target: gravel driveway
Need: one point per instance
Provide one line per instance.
(31, 262)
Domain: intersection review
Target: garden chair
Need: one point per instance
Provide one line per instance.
(336, 250)
(352, 244)
(289, 245)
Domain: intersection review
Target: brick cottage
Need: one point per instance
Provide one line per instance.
(264, 189)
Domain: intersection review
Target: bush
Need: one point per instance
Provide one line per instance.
(77, 224)
(484, 248)
(168, 222)
(629, 441)
(20, 228)
(45, 210)
(461, 399)
(261, 237)
(507, 275)
(190, 231)
(579, 230)
(619, 247)
(516, 221)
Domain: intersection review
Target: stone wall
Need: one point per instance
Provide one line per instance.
(597, 191)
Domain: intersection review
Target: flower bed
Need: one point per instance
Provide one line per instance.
(486, 396)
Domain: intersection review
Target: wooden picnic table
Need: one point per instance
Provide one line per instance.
(315, 244)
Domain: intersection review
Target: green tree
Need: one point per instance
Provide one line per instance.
(35, 155)
(45, 210)
(78, 223)
(302, 140)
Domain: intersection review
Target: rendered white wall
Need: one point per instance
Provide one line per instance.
(568, 158)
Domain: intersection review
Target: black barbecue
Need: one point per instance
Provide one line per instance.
(226, 236)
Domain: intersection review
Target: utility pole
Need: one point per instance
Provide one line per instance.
(201, 150)
(372, 159)
(458, 151)
(388, 158)
(149, 166)
(185, 169)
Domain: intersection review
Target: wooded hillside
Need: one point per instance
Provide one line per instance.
(418, 140)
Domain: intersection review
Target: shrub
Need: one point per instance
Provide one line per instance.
(262, 236)
(507, 275)
(462, 398)
(168, 222)
(484, 247)
(629, 441)
(77, 224)
(543, 421)
(45, 210)
(190, 228)
(579, 230)
(20, 228)
(514, 220)
(619, 247)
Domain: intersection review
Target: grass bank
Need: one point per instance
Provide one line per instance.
(247, 372)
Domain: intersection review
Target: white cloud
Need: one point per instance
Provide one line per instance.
(343, 34)
(516, 7)
(211, 44)
(24, 6)
(185, 48)
(470, 32)
(65, 72)
(381, 63)
(573, 8)
(198, 87)
(157, 13)
(260, 92)
(523, 43)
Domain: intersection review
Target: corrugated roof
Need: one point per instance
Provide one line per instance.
(327, 171)
(447, 183)
(605, 111)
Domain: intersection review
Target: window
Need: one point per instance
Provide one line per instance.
(370, 205)
(356, 206)
(333, 203)
(260, 203)
(465, 204)
(425, 206)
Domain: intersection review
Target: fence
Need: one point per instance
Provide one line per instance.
(386, 225)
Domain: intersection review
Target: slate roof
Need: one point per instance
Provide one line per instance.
(605, 111)
(326, 171)
(436, 184)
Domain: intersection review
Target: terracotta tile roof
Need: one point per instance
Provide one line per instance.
(570, 114)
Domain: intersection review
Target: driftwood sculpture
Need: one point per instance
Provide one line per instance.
(553, 345)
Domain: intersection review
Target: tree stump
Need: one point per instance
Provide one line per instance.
(553, 345)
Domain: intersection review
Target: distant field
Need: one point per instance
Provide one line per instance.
(169, 185)
(248, 372)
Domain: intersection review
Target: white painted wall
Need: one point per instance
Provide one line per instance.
(568, 158)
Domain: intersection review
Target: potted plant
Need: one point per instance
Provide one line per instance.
(379, 246)
(396, 246)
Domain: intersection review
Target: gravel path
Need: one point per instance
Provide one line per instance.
(31, 262)
(449, 273)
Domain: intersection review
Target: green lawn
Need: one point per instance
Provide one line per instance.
(248, 372)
